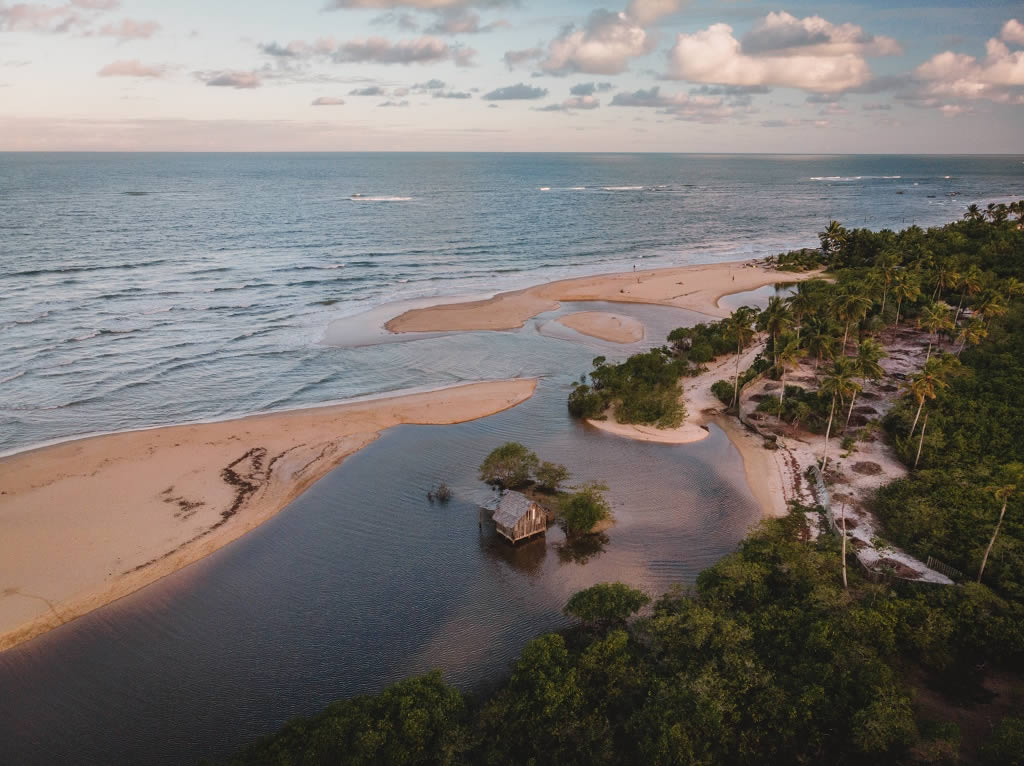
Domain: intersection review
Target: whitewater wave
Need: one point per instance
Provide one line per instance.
(15, 376)
(851, 178)
(545, 188)
(378, 198)
(622, 188)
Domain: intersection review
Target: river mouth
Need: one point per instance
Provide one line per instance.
(362, 581)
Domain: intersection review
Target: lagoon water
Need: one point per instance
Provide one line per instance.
(143, 290)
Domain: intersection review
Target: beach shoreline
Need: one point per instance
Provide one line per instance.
(696, 288)
(136, 506)
(614, 328)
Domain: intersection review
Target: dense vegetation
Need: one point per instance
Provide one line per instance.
(769, 659)
(642, 389)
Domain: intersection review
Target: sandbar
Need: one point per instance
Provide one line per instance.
(696, 288)
(88, 521)
(599, 324)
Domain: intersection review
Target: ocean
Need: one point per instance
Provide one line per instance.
(150, 289)
(142, 290)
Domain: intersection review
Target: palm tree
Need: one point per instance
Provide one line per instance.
(1013, 286)
(906, 288)
(933, 319)
(850, 306)
(832, 240)
(996, 213)
(1012, 481)
(970, 284)
(866, 365)
(886, 266)
(786, 356)
(738, 324)
(925, 385)
(972, 333)
(840, 384)
(974, 214)
(945, 276)
(991, 304)
(820, 341)
(776, 317)
(803, 302)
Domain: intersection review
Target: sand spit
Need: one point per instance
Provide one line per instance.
(89, 521)
(696, 288)
(611, 327)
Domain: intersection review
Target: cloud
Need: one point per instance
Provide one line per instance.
(794, 123)
(131, 68)
(603, 45)
(644, 12)
(590, 88)
(459, 21)
(426, 5)
(394, 103)
(783, 34)
(456, 94)
(814, 55)
(369, 90)
(327, 101)
(1013, 32)
(433, 84)
(682, 106)
(513, 59)
(998, 77)
(516, 92)
(404, 21)
(572, 104)
(230, 79)
(379, 50)
(876, 107)
(130, 29)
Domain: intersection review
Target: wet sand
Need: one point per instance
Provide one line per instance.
(696, 288)
(599, 324)
(89, 521)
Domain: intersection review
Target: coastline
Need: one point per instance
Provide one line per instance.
(696, 288)
(182, 492)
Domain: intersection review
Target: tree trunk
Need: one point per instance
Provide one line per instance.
(988, 550)
(850, 413)
(929, 354)
(959, 306)
(845, 336)
(885, 293)
(899, 306)
(920, 444)
(845, 584)
(736, 380)
(828, 430)
(920, 404)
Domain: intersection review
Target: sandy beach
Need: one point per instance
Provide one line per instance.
(89, 521)
(696, 288)
(610, 327)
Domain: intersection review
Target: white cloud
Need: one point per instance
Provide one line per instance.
(997, 77)
(516, 92)
(328, 101)
(427, 5)
(603, 45)
(227, 78)
(644, 12)
(131, 68)
(1013, 32)
(129, 29)
(572, 104)
(810, 54)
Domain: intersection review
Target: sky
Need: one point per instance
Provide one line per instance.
(899, 76)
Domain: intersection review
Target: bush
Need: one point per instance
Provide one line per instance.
(701, 353)
(1006, 745)
(724, 390)
(606, 603)
(509, 465)
(585, 402)
(583, 509)
(551, 475)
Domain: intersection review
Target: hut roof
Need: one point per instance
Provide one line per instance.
(511, 508)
